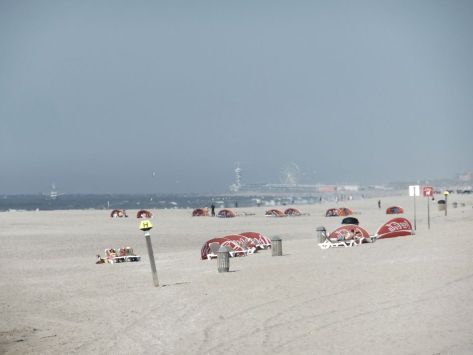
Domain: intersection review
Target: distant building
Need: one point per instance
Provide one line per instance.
(326, 188)
(349, 188)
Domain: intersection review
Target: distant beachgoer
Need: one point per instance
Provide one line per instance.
(379, 204)
(236, 204)
(212, 208)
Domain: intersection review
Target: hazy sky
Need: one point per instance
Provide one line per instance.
(96, 95)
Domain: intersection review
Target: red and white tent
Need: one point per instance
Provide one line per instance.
(343, 211)
(144, 214)
(396, 227)
(234, 246)
(335, 212)
(226, 213)
(332, 212)
(118, 213)
(394, 210)
(261, 241)
(243, 241)
(239, 244)
(292, 212)
(200, 212)
(349, 231)
(274, 213)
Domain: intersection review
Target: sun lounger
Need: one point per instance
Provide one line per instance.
(111, 256)
(129, 255)
(124, 254)
(328, 243)
(213, 250)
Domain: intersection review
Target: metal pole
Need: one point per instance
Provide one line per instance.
(415, 217)
(446, 204)
(428, 211)
(151, 259)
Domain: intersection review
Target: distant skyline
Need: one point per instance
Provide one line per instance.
(167, 96)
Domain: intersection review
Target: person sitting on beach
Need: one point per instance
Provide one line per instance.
(111, 252)
(348, 235)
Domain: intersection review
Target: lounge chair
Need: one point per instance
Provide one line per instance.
(328, 243)
(111, 256)
(128, 254)
(214, 247)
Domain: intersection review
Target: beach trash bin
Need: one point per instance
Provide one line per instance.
(441, 205)
(321, 234)
(455, 204)
(223, 259)
(276, 246)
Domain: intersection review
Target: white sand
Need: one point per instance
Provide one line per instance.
(409, 295)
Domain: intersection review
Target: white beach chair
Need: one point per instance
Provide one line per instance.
(327, 243)
(112, 258)
(214, 247)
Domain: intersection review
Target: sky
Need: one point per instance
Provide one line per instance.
(169, 96)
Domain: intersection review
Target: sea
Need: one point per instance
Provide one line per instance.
(144, 201)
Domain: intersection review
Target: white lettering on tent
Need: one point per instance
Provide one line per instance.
(397, 226)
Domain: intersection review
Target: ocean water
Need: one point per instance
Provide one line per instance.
(112, 201)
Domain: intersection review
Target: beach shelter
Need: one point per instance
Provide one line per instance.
(292, 212)
(332, 212)
(350, 220)
(241, 240)
(396, 227)
(349, 231)
(226, 213)
(118, 213)
(200, 212)
(144, 214)
(394, 210)
(207, 253)
(274, 213)
(343, 211)
(261, 241)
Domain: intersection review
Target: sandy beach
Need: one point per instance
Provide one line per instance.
(409, 295)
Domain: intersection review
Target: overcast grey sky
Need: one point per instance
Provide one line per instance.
(96, 95)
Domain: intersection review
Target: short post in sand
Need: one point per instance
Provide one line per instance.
(223, 259)
(146, 226)
(276, 246)
(321, 234)
(445, 193)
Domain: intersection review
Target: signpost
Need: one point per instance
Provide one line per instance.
(445, 193)
(146, 226)
(428, 191)
(414, 191)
